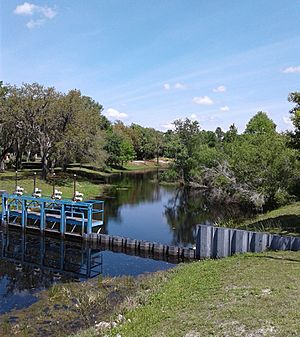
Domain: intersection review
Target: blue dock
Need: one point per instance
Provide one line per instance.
(64, 217)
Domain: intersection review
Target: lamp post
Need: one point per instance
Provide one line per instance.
(16, 180)
(53, 185)
(74, 184)
(34, 182)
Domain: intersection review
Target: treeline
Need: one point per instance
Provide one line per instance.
(64, 128)
(258, 167)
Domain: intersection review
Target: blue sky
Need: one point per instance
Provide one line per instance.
(153, 61)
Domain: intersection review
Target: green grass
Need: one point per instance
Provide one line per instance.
(88, 180)
(63, 182)
(284, 220)
(249, 295)
(293, 208)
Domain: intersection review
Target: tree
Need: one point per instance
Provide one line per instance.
(12, 132)
(119, 148)
(187, 132)
(59, 127)
(295, 117)
(42, 118)
(265, 164)
(260, 123)
(80, 127)
(231, 135)
(219, 134)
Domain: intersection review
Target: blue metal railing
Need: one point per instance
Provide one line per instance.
(65, 212)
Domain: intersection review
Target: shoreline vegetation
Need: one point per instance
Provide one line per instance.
(244, 295)
(88, 178)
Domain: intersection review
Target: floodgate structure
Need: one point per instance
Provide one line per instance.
(60, 216)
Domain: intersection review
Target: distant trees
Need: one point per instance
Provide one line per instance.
(64, 128)
(58, 127)
(259, 124)
(119, 148)
(256, 167)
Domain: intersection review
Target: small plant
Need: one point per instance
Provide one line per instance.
(55, 292)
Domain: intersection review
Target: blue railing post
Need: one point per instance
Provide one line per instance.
(4, 208)
(62, 220)
(42, 216)
(24, 213)
(90, 219)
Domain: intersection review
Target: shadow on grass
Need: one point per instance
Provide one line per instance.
(283, 224)
(279, 258)
(60, 179)
(10, 175)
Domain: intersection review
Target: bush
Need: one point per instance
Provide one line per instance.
(282, 197)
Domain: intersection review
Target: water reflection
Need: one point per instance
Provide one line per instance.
(131, 189)
(138, 206)
(30, 263)
(188, 207)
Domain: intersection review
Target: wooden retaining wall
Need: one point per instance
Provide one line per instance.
(217, 242)
(141, 246)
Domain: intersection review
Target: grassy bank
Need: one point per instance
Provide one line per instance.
(88, 181)
(247, 295)
(251, 295)
(63, 182)
(284, 220)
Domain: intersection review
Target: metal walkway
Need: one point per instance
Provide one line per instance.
(65, 217)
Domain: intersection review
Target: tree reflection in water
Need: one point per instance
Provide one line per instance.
(189, 207)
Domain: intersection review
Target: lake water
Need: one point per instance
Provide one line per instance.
(137, 207)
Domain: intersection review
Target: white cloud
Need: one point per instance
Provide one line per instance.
(204, 100)
(179, 85)
(167, 86)
(34, 23)
(220, 88)
(40, 14)
(225, 108)
(193, 116)
(291, 70)
(25, 9)
(116, 114)
(47, 12)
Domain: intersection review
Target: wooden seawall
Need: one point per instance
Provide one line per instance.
(125, 244)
